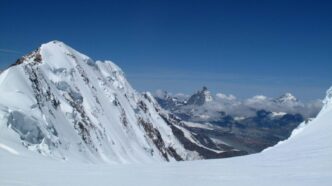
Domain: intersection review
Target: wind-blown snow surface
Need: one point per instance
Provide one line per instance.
(304, 159)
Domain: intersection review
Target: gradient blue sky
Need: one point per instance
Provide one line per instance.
(239, 47)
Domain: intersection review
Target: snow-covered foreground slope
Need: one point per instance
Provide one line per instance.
(304, 159)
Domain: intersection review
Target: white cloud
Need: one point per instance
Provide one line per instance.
(248, 107)
(225, 97)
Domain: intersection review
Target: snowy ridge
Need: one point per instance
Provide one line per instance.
(327, 102)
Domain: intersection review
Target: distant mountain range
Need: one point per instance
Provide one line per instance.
(250, 125)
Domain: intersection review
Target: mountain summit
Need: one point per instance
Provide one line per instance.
(200, 98)
(286, 98)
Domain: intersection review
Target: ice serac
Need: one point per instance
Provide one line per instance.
(62, 104)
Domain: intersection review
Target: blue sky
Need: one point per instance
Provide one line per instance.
(239, 47)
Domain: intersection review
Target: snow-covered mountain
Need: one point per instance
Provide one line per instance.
(200, 98)
(59, 103)
(62, 104)
(168, 101)
(286, 98)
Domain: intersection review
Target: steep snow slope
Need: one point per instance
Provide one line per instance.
(58, 102)
(304, 159)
